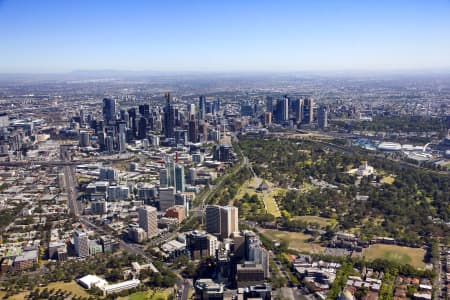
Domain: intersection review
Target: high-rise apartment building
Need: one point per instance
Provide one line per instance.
(81, 243)
(221, 220)
(228, 221)
(148, 220)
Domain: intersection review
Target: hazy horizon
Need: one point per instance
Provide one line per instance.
(52, 36)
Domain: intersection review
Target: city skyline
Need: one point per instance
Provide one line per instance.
(200, 36)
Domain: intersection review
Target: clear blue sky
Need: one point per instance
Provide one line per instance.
(225, 35)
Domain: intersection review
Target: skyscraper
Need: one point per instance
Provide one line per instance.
(308, 110)
(193, 131)
(109, 110)
(322, 117)
(212, 219)
(144, 110)
(179, 179)
(169, 117)
(299, 111)
(221, 220)
(228, 221)
(283, 110)
(148, 220)
(81, 243)
(202, 107)
(269, 104)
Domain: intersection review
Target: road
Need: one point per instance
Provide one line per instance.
(441, 276)
(125, 246)
(70, 181)
(183, 287)
(219, 185)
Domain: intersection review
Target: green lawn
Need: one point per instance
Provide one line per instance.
(297, 240)
(150, 295)
(72, 287)
(399, 254)
(270, 204)
(323, 222)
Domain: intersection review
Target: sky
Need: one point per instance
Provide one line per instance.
(50, 36)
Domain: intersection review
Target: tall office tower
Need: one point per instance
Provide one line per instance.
(212, 219)
(228, 221)
(308, 110)
(322, 117)
(82, 117)
(179, 179)
(192, 175)
(203, 131)
(84, 139)
(122, 142)
(269, 104)
(202, 107)
(109, 144)
(142, 131)
(217, 105)
(298, 110)
(81, 243)
(148, 220)
(122, 136)
(144, 110)
(282, 110)
(109, 110)
(132, 114)
(169, 117)
(193, 131)
(170, 166)
(181, 136)
(191, 110)
(125, 117)
(164, 178)
(267, 118)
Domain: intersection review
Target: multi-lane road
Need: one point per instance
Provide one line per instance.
(72, 195)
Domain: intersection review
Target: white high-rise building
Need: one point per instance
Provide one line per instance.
(221, 220)
(228, 221)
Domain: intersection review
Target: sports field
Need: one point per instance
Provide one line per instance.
(297, 240)
(399, 254)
